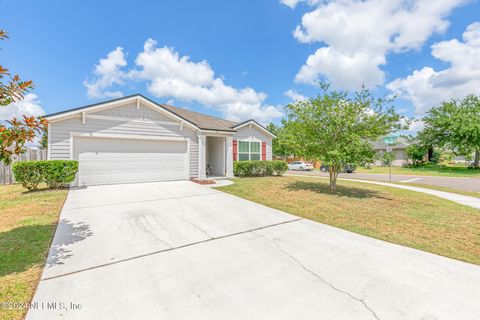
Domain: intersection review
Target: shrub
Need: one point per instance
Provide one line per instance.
(59, 172)
(53, 172)
(259, 168)
(279, 167)
(29, 173)
(416, 152)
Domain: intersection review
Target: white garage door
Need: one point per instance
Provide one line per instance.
(111, 161)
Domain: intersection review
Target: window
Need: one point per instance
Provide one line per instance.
(248, 150)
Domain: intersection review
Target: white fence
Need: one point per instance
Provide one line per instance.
(6, 174)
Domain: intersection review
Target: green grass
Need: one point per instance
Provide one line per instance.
(27, 225)
(446, 171)
(399, 216)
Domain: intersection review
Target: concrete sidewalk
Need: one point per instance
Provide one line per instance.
(458, 198)
(471, 184)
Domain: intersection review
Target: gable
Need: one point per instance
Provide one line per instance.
(131, 111)
(252, 133)
(253, 124)
(134, 107)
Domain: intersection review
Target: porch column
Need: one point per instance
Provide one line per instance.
(229, 157)
(202, 161)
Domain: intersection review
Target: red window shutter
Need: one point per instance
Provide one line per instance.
(234, 150)
(264, 151)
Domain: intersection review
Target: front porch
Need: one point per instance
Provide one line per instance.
(215, 156)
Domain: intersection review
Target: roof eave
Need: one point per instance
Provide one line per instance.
(244, 123)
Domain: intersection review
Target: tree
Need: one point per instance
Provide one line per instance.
(416, 152)
(338, 129)
(388, 157)
(276, 150)
(455, 125)
(14, 88)
(280, 146)
(44, 139)
(14, 137)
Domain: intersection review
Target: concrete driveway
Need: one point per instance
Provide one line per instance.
(177, 250)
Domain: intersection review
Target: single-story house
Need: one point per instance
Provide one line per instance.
(134, 139)
(399, 150)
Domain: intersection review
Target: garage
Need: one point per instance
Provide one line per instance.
(114, 161)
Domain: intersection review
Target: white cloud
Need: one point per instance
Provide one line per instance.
(293, 3)
(290, 3)
(107, 73)
(29, 106)
(170, 75)
(295, 96)
(416, 125)
(343, 69)
(358, 34)
(427, 87)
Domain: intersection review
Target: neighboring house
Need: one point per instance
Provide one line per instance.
(134, 139)
(399, 149)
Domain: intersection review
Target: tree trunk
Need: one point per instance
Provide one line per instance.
(476, 163)
(333, 178)
(430, 153)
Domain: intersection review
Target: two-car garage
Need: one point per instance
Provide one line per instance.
(111, 160)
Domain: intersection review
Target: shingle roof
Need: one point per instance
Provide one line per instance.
(201, 120)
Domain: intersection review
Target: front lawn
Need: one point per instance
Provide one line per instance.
(27, 225)
(400, 216)
(447, 171)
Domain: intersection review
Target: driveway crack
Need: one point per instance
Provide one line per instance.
(319, 277)
(193, 224)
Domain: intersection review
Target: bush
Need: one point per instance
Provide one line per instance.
(29, 173)
(259, 168)
(59, 172)
(279, 167)
(416, 152)
(53, 172)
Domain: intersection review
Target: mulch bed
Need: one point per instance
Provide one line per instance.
(203, 181)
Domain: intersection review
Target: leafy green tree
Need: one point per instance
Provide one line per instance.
(276, 150)
(388, 157)
(416, 152)
(280, 145)
(455, 125)
(338, 128)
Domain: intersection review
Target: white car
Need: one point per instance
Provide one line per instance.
(300, 165)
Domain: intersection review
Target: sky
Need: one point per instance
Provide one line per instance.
(240, 59)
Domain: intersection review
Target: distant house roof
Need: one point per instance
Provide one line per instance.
(402, 143)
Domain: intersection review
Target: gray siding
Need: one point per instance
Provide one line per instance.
(60, 131)
(254, 133)
(131, 111)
